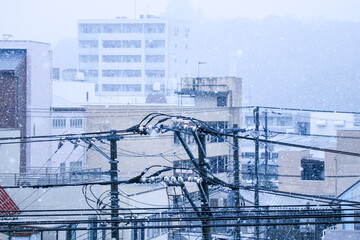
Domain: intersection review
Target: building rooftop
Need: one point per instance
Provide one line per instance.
(23, 41)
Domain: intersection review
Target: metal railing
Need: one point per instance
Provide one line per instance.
(48, 176)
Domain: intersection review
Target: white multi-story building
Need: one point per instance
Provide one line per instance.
(129, 59)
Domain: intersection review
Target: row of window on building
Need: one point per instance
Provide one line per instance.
(124, 73)
(272, 121)
(272, 155)
(127, 87)
(122, 43)
(122, 58)
(218, 164)
(62, 122)
(122, 28)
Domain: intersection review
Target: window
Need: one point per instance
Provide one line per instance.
(121, 43)
(183, 164)
(312, 169)
(155, 27)
(155, 58)
(76, 123)
(121, 73)
(210, 138)
(155, 44)
(90, 73)
(248, 155)
(214, 202)
(88, 44)
(121, 58)
(218, 164)
(149, 87)
(89, 28)
(59, 123)
(75, 166)
(222, 101)
(88, 58)
(121, 87)
(356, 120)
(217, 126)
(155, 73)
(284, 121)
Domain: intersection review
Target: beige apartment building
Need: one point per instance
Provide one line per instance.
(217, 102)
(302, 172)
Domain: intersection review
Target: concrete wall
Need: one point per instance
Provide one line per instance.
(68, 152)
(9, 153)
(105, 118)
(75, 92)
(330, 123)
(290, 164)
(347, 165)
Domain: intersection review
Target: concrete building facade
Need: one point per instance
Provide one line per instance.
(330, 175)
(25, 77)
(130, 58)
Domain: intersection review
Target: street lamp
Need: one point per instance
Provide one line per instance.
(199, 67)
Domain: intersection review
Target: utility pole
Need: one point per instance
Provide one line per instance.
(256, 200)
(203, 185)
(206, 231)
(236, 178)
(114, 192)
(266, 145)
(199, 67)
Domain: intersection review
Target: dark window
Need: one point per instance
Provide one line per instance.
(312, 169)
(303, 127)
(222, 101)
(357, 219)
(56, 73)
(214, 202)
(76, 123)
(218, 164)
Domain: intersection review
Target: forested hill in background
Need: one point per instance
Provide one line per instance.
(285, 62)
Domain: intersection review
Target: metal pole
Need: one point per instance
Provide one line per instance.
(266, 145)
(92, 225)
(206, 231)
(236, 179)
(114, 192)
(257, 145)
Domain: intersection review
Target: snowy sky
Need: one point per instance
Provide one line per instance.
(50, 21)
